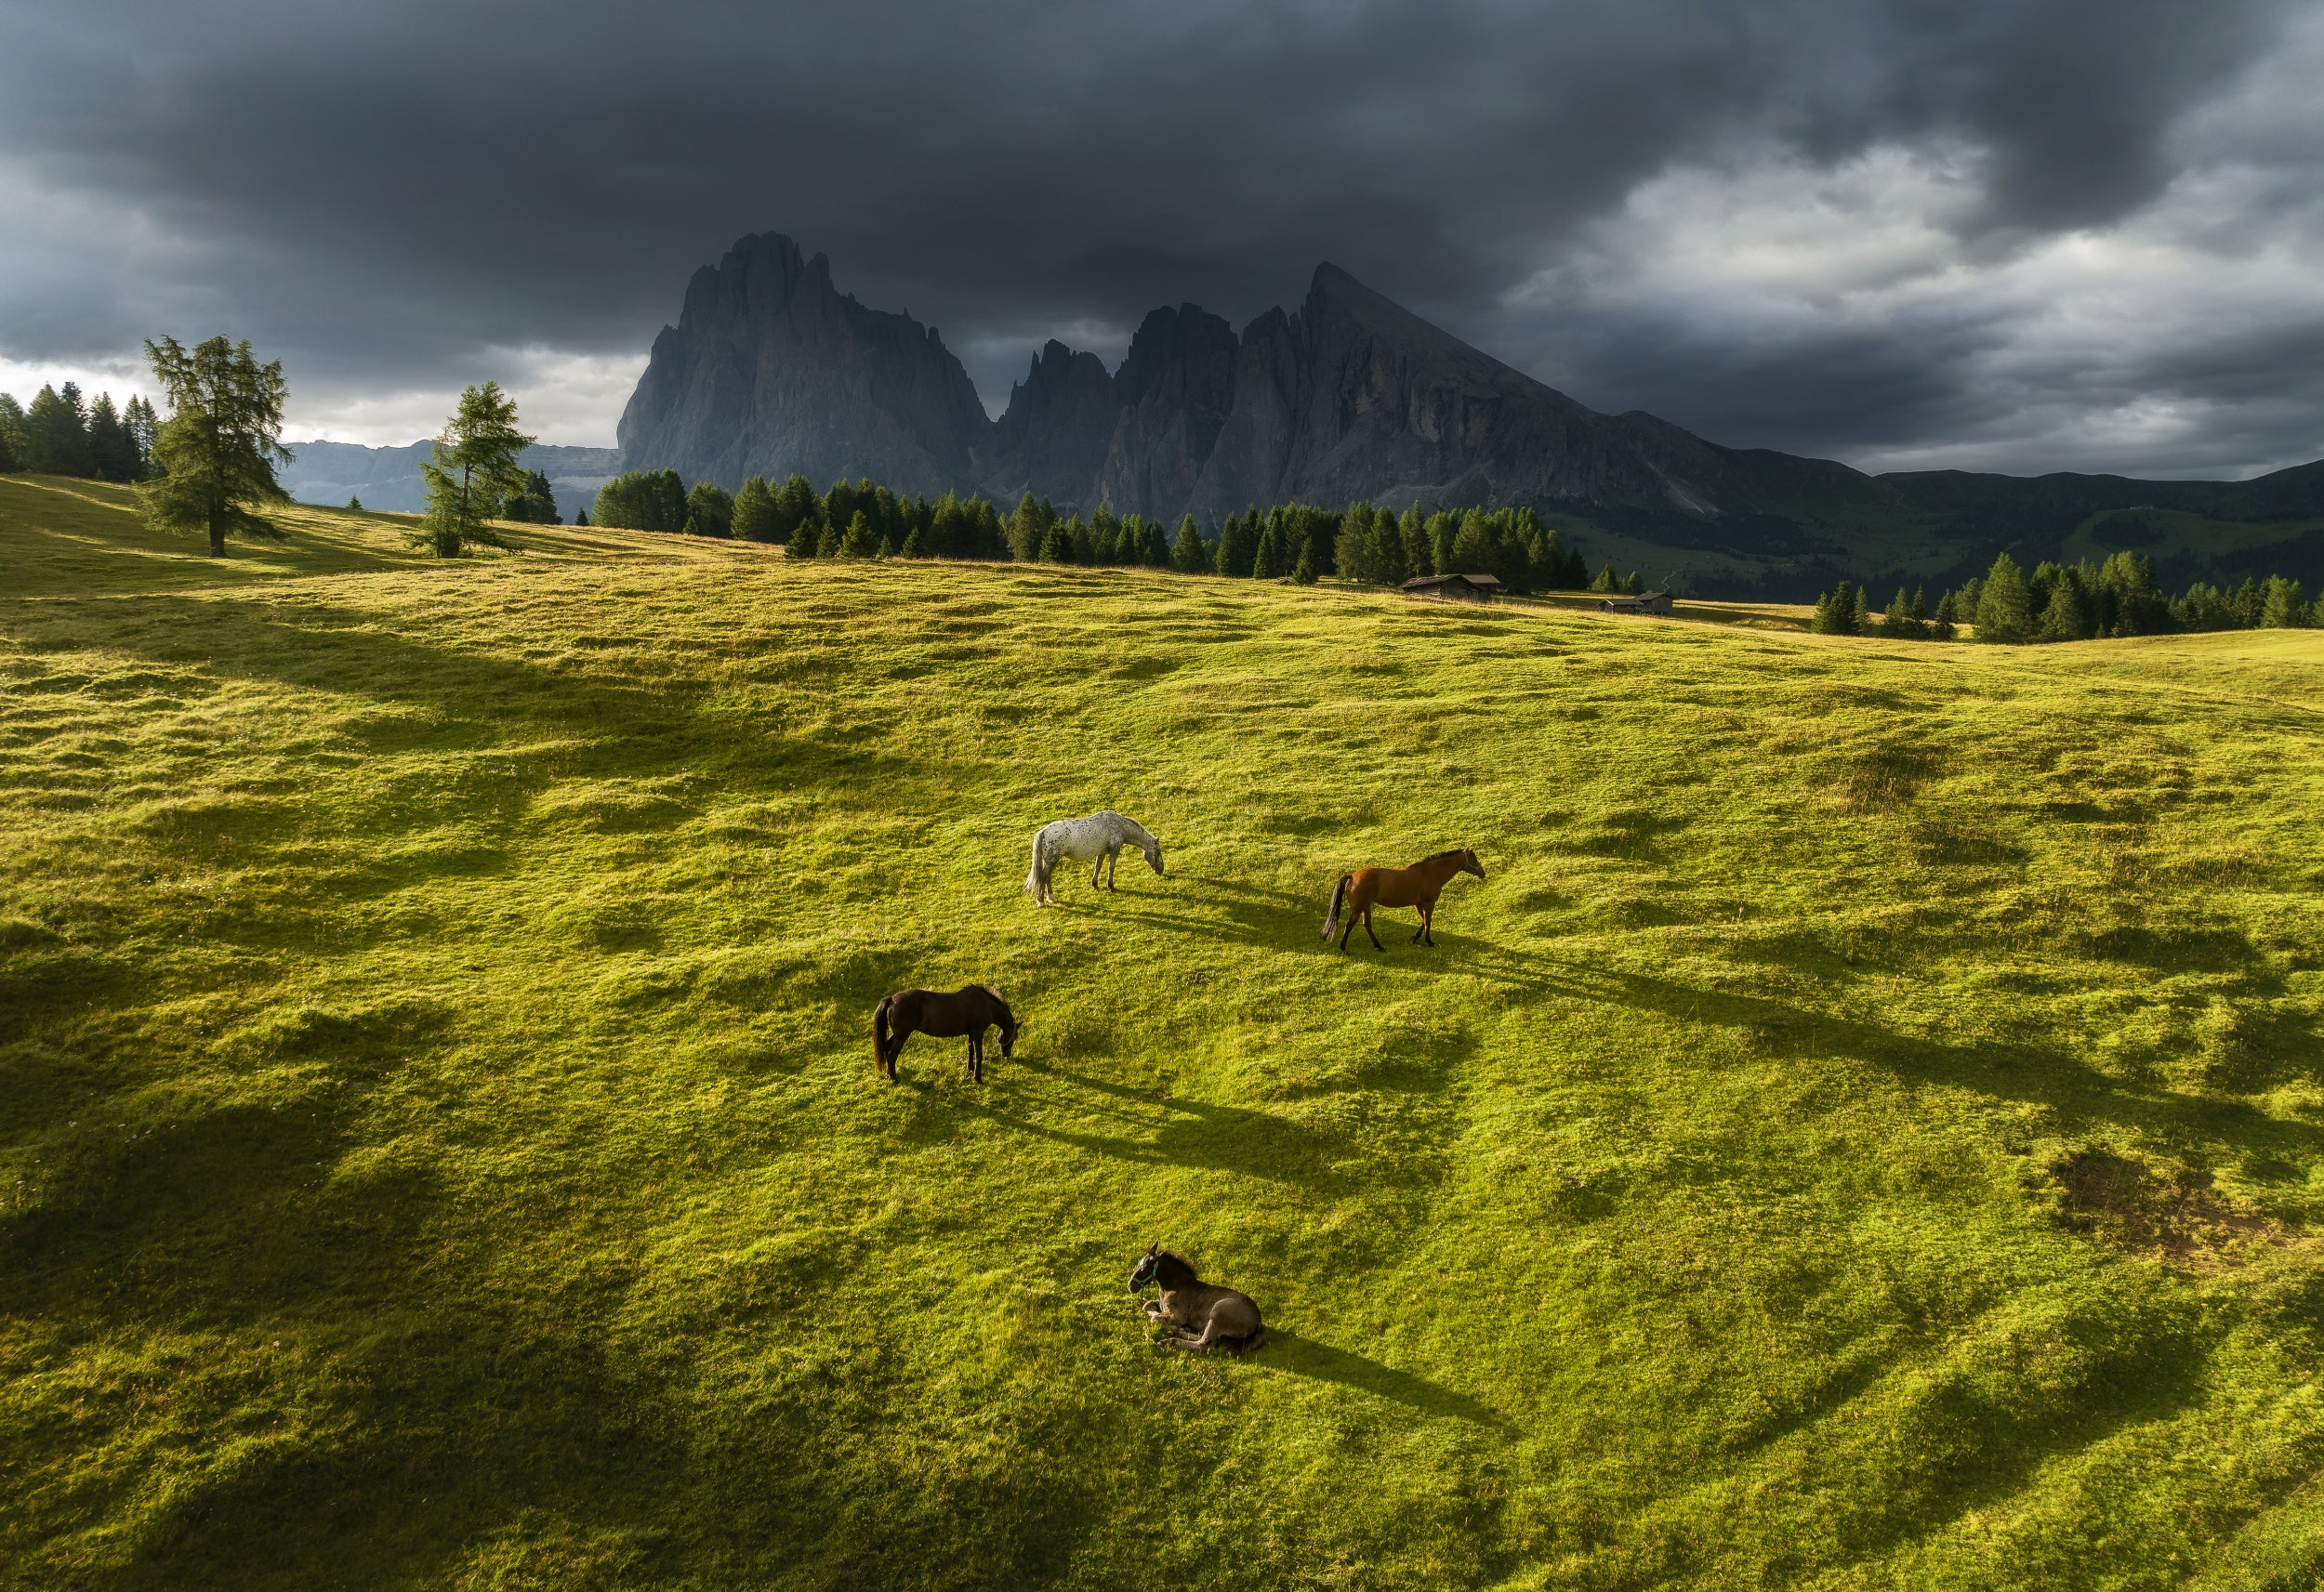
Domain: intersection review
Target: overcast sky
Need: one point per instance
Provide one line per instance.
(2083, 234)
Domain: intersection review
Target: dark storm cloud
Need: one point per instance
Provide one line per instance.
(382, 194)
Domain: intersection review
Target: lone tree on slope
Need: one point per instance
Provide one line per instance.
(218, 450)
(472, 471)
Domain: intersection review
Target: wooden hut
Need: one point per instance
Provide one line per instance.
(1452, 588)
(1645, 603)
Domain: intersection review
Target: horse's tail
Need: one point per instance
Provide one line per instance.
(1032, 880)
(880, 1033)
(1338, 894)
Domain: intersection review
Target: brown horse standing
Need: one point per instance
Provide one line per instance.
(939, 1016)
(1417, 886)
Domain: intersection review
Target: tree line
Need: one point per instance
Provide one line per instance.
(210, 467)
(2080, 601)
(63, 434)
(1290, 541)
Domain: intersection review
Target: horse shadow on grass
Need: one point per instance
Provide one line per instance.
(1301, 1356)
(1159, 1130)
(1290, 923)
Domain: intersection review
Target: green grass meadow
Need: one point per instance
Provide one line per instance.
(1865, 1131)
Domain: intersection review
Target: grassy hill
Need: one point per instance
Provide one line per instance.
(1867, 1130)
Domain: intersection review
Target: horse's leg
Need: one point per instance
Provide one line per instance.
(1112, 855)
(895, 1049)
(1427, 920)
(976, 1056)
(1203, 1345)
(1367, 930)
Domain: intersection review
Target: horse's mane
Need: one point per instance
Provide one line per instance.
(1442, 855)
(1174, 1257)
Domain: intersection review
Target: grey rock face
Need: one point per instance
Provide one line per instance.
(1175, 390)
(1054, 435)
(1356, 397)
(770, 370)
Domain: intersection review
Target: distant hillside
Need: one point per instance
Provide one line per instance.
(771, 369)
(330, 473)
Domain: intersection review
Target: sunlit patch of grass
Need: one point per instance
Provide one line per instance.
(1867, 1129)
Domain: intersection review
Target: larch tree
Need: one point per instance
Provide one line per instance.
(472, 471)
(215, 453)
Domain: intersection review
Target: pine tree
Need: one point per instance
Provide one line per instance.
(756, 513)
(1057, 543)
(795, 505)
(2002, 613)
(709, 511)
(472, 471)
(1191, 555)
(2066, 617)
(1855, 611)
(219, 448)
(1948, 617)
(56, 434)
(12, 434)
(354, 506)
(1267, 561)
(992, 540)
(1358, 553)
(2139, 608)
(143, 427)
(916, 545)
(1836, 614)
(534, 504)
(861, 540)
(1303, 573)
(113, 452)
(1028, 527)
(2284, 606)
(580, 517)
(1607, 581)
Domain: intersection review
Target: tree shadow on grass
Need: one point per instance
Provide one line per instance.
(1301, 1356)
(2081, 1094)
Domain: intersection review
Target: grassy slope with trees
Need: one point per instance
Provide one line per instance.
(1868, 1129)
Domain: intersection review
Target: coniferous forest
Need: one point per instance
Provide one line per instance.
(1376, 546)
(61, 434)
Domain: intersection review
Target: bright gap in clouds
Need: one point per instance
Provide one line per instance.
(570, 399)
(573, 400)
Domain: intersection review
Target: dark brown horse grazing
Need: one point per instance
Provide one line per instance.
(968, 1011)
(1200, 1315)
(1417, 886)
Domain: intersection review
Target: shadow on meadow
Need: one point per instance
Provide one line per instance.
(388, 1405)
(1157, 1130)
(2217, 1127)
(1288, 1352)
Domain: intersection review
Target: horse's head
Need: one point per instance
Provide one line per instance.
(1005, 1019)
(1153, 849)
(1148, 1264)
(1469, 863)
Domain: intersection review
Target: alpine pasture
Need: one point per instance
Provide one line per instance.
(1867, 1129)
